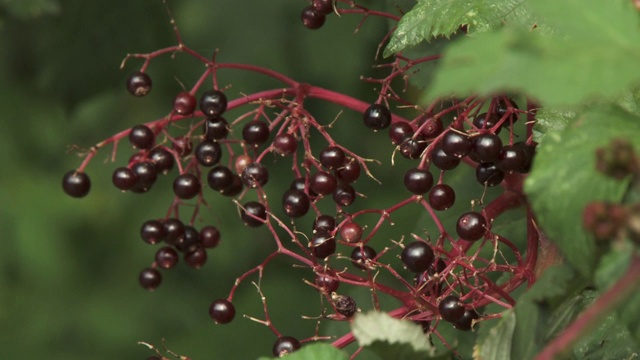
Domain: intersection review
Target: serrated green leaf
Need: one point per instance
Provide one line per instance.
(432, 18)
(570, 66)
(549, 120)
(393, 338)
(609, 341)
(564, 179)
(318, 351)
(613, 264)
(494, 343)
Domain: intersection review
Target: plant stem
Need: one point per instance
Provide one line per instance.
(602, 307)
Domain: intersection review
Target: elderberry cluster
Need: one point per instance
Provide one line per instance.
(449, 277)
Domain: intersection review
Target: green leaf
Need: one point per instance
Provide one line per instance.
(564, 179)
(31, 8)
(585, 58)
(393, 338)
(433, 18)
(610, 341)
(549, 120)
(494, 343)
(318, 351)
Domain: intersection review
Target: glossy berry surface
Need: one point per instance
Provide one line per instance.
(443, 161)
(216, 128)
(349, 172)
(174, 230)
(139, 83)
(332, 157)
(152, 231)
(323, 183)
(351, 232)
(377, 117)
(285, 144)
(76, 184)
(488, 174)
(220, 178)
(124, 178)
(412, 148)
(431, 128)
(512, 158)
(166, 257)
(295, 203)
(418, 181)
(146, 174)
(285, 345)
(485, 148)
(400, 131)
(209, 236)
(196, 258)
(323, 6)
(344, 195)
(222, 311)
(150, 279)
(326, 283)
(465, 323)
(255, 132)
(456, 144)
(417, 256)
(255, 175)
(451, 309)
(162, 160)
(184, 103)
(213, 103)
(442, 197)
(471, 226)
(360, 256)
(186, 186)
(254, 214)
(312, 19)
(324, 223)
(188, 242)
(486, 121)
(208, 153)
(141, 137)
(323, 244)
(182, 145)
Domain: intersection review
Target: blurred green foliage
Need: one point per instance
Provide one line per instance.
(68, 269)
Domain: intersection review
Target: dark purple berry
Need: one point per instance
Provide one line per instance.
(323, 183)
(431, 128)
(488, 174)
(222, 311)
(76, 183)
(209, 237)
(323, 244)
(332, 157)
(486, 121)
(213, 103)
(184, 103)
(215, 128)
(285, 345)
(471, 226)
(418, 181)
(235, 188)
(351, 232)
(361, 256)
(485, 148)
(253, 214)
(182, 145)
(285, 144)
(349, 172)
(327, 284)
(377, 117)
(323, 6)
(442, 197)
(196, 258)
(465, 323)
(412, 148)
(324, 223)
(456, 144)
(443, 161)
(255, 175)
(344, 195)
(417, 256)
(190, 240)
(162, 159)
(186, 186)
(166, 257)
(124, 178)
(147, 175)
(150, 279)
(400, 131)
(139, 83)
(295, 203)
(174, 231)
(152, 231)
(451, 309)
(220, 178)
(255, 132)
(141, 137)
(312, 19)
(208, 153)
(512, 158)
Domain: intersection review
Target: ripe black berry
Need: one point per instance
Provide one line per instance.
(451, 309)
(488, 174)
(255, 175)
(184, 103)
(174, 231)
(186, 186)
(166, 257)
(189, 241)
(332, 157)
(324, 223)
(400, 131)
(417, 256)
(485, 148)
(326, 283)
(412, 148)
(182, 145)
(76, 183)
(295, 203)
(208, 153)
(312, 19)
(220, 178)
(418, 181)
(349, 172)
(139, 83)
(216, 128)
(323, 6)
(456, 144)
(285, 144)
(213, 103)
(323, 183)
(471, 226)
(147, 174)
(486, 121)
(345, 305)
(141, 137)
(431, 128)
(377, 117)
(466, 321)
(442, 197)
(196, 258)
(255, 132)
(299, 184)
(152, 231)
(162, 160)
(209, 236)
(512, 158)
(254, 214)
(443, 161)
(344, 195)
(323, 244)
(285, 345)
(235, 188)
(222, 311)
(150, 279)
(361, 256)
(124, 178)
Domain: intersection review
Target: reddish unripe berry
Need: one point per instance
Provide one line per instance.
(351, 232)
